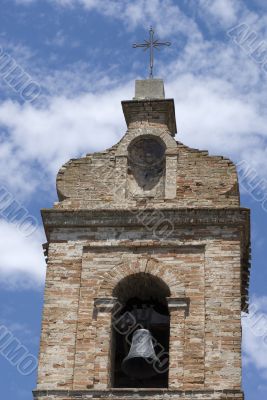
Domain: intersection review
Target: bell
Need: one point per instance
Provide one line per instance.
(142, 357)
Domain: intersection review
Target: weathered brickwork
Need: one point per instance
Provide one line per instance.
(200, 180)
(103, 230)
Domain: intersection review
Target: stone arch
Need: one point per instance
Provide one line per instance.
(132, 134)
(142, 286)
(143, 265)
(141, 305)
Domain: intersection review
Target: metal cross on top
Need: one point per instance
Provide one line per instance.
(151, 45)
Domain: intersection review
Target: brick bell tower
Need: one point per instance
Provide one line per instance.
(148, 268)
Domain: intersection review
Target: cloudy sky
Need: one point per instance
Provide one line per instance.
(65, 65)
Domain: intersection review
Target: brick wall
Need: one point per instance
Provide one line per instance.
(199, 180)
(86, 264)
(188, 230)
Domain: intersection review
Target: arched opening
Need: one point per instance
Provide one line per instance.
(146, 161)
(140, 333)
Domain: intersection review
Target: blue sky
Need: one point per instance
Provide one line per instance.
(78, 54)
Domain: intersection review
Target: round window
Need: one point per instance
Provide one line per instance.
(146, 161)
(146, 153)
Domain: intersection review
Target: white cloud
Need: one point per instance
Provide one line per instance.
(255, 335)
(58, 40)
(22, 262)
(50, 135)
(220, 96)
(223, 11)
(164, 15)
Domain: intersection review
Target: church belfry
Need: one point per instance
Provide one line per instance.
(148, 268)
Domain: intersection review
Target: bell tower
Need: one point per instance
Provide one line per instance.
(148, 268)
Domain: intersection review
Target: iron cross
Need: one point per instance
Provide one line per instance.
(151, 45)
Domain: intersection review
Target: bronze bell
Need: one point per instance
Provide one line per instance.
(140, 362)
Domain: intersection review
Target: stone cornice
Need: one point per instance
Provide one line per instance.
(151, 110)
(54, 218)
(139, 393)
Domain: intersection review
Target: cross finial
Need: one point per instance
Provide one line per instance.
(151, 44)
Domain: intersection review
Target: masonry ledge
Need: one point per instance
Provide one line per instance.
(55, 218)
(143, 393)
